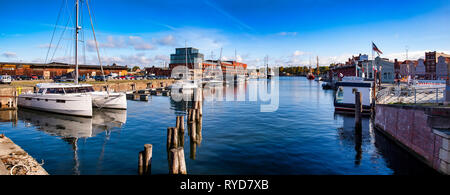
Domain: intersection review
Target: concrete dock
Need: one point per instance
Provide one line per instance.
(14, 157)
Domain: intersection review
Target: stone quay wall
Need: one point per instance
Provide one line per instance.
(423, 131)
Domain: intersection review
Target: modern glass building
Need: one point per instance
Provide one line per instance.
(188, 55)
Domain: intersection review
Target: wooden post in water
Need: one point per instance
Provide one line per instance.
(141, 163)
(169, 137)
(193, 149)
(175, 138)
(199, 130)
(177, 164)
(180, 127)
(148, 150)
(358, 109)
(181, 161)
(174, 162)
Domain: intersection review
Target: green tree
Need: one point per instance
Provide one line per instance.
(135, 68)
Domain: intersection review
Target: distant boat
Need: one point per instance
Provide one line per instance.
(310, 76)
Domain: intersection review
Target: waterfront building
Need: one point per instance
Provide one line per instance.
(387, 69)
(189, 57)
(230, 67)
(420, 69)
(407, 68)
(442, 68)
(53, 69)
(431, 59)
(197, 64)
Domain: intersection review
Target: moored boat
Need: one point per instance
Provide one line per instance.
(310, 76)
(63, 98)
(345, 97)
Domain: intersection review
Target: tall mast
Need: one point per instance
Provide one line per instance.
(76, 42)
(185, 53)
(318, 69)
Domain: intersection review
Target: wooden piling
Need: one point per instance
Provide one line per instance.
(197, 112)
(141, 163)
(192, 127)
(180, 127)
(358, 109)
(193, 115)
(199, 130)
(174, 162)
(148, 150)
(181, 161)
(175, 138)
(193, 149)
(200, 108)
(169, 137)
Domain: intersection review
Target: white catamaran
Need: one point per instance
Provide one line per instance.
(72, 98)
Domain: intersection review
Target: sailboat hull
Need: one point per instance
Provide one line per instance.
(77, 105)
(109, 100)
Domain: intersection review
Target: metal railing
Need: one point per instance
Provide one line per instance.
(405, 95)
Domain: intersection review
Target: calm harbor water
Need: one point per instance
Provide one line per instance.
(304, 136)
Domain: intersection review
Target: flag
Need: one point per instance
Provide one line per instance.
(375, 48)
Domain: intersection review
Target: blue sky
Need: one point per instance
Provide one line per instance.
(144, 33)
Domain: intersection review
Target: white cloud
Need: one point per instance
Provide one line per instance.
(9, 54)
(298, 53)
(287, 33)
(121, 42)
(167, 40)
(139, 44)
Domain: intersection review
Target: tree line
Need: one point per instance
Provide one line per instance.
(301, 70)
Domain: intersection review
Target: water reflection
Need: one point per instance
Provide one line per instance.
(351, 136)
(72, 128)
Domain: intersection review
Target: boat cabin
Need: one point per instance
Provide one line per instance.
(345, 96)
(62, 88)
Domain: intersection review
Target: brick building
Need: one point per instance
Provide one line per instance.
(57, 69)
(196, 63)
(431, 59)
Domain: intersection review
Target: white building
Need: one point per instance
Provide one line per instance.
(420, 69)
(387, 69)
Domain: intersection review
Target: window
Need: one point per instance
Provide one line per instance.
(41, 91)
(60, 101)
(55, 90)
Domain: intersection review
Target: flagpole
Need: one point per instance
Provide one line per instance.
(373, 73)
